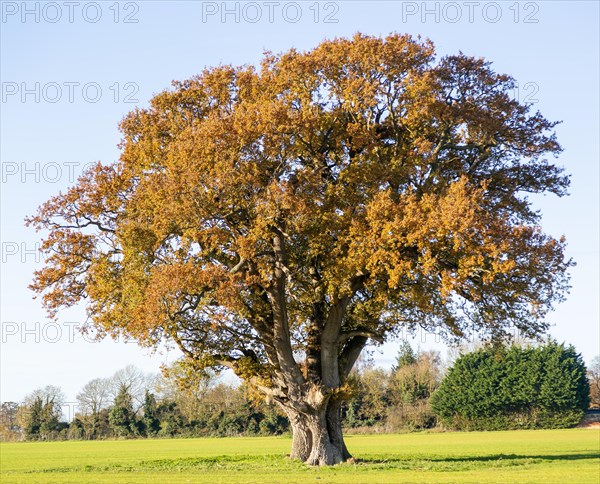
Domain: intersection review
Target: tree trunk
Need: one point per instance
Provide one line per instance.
(334, 426)
(317, 436)
(301, 437)
(323, 451)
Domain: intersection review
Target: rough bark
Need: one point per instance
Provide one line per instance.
(334, 427)
(323, 451)
(301, 436)
(317, 434)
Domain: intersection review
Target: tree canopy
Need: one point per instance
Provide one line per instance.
(273, 219)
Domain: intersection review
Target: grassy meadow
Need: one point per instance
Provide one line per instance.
(544, 456)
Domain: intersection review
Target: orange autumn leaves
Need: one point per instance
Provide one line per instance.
(394, 179)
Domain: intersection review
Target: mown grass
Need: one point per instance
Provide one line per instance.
(548, 456)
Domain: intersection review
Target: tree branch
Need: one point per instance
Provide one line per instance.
(350, 354)
(359, 332)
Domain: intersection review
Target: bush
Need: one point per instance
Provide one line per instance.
(408, 417)
(396, 400)
(273, 424)
(499, 388)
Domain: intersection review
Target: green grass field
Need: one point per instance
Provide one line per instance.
(545, 456)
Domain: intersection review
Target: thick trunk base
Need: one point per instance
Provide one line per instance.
(323, 451)
(317, 436)
(301, 437)
(334, 427)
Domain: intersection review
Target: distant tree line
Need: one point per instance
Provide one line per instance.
(133, 405)
(397, 399)
(493, 387)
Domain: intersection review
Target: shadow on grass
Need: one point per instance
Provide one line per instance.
(486, 458)
(254, 463)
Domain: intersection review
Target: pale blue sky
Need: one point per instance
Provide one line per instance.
(551, 48)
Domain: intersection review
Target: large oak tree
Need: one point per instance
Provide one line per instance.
(274, 220)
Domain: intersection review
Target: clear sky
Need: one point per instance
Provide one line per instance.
(71, 70)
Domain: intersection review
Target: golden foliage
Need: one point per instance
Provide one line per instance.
(341, 192)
